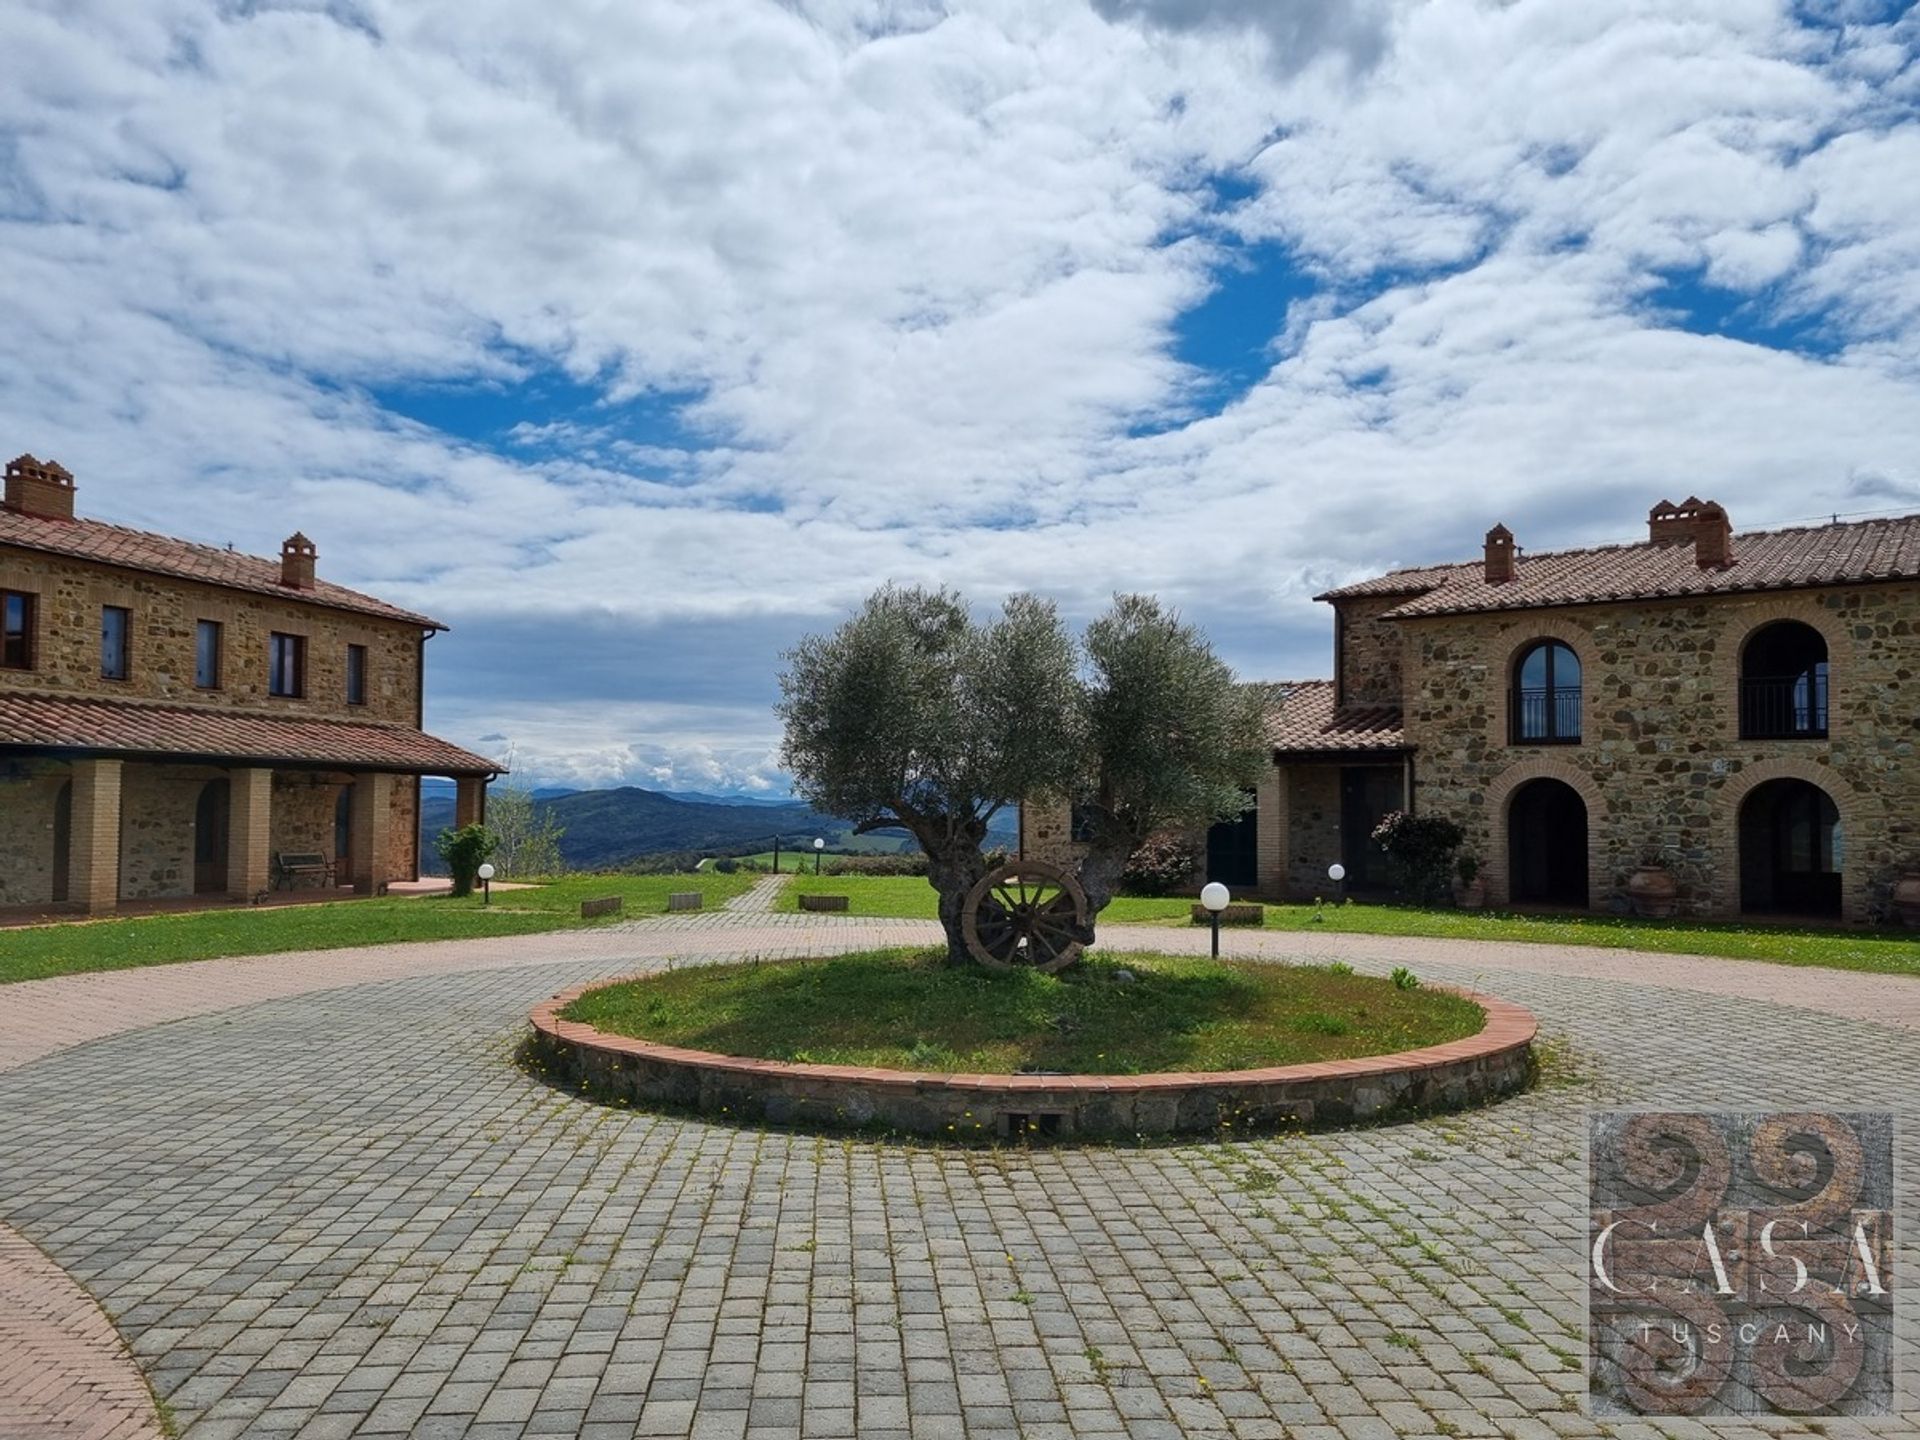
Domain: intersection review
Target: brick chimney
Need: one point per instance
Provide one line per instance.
(1701, 523)
(39, 487)
(1500, 555)
(296, 562)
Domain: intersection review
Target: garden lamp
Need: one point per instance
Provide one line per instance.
(1336, 872)
(486, 884)
(1214, 896)
(818, 846)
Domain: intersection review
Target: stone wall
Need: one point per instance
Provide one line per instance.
(1660, 762)
(1371, 651)
(28, 792)
(1046, 833)
(158, 805)
(1313, 834)
(165, 614)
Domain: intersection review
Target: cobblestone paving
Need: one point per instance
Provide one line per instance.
(346, 1213)
(761, 899)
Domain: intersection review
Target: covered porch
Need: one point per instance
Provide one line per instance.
(91, 826)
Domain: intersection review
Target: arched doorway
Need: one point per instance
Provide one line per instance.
(1547, 844)
(62, 840)
(1791, 850)
(1783, 683)
(210, 818)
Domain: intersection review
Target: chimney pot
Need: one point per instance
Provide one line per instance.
(39, 487)
(296, 562)
(1500, 555)
(1701, 523)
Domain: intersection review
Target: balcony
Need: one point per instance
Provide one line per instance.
(1543, 716)
(1784, 707)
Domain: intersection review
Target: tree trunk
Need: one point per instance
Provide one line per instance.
(1100, 872)
(954, 871)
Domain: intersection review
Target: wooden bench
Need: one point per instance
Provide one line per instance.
(823, 902)
(290, 866)
(611, 905)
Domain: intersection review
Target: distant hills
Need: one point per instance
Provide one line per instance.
(604, 829)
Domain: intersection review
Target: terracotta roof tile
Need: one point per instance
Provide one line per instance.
(59, 722)
(1305, 720)
(163, 555)
(1854, 552)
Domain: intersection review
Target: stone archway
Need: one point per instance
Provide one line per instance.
(1498, 861)
(1851, 811)
(1547, 844)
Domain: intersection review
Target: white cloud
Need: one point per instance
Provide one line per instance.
(918, 268)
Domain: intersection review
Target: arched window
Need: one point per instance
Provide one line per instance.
(1546, 695)
(1783, 683)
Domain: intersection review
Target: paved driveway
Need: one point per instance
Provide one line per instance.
(321, 1201)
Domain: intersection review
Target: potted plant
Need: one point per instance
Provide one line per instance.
(1470, 889)
(1652, 888)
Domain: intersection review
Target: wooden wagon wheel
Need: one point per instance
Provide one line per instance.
(1026, 913)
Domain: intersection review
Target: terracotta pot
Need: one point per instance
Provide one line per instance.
(1906, 898)
(1472, 895)
(1652, 889)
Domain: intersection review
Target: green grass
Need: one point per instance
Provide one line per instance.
(1886, 952)
(894, 897)
(32, 954)
(908, 1009)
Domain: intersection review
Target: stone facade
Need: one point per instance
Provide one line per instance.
(165, 614)
(92, 810)
(1660, 763)
(1369, 652)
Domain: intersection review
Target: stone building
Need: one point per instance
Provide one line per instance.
(179, 720)
(1741, 710)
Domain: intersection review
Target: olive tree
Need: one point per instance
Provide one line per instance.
(913, 714)
(1173, 741)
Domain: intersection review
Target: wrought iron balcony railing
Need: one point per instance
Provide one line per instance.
(1544, 716)
(1784, 707)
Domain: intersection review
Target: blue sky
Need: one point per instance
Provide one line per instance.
(638, 341)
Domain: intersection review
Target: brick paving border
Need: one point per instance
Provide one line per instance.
(65, 1374)
(1469, 1071)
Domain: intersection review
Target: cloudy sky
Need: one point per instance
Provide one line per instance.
(636, 340)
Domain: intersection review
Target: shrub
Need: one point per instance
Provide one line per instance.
(725, 865)
(1404, 979)
(1420, 849)
(906, 863)
(465, 850)
(1162, 865)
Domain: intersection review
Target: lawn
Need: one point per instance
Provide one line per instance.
(31, 954)
(1886, 952)
(908, 1009)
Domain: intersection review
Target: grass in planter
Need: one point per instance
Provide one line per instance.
(910, 1010)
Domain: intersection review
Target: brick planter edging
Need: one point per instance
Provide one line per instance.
(1495, 1062)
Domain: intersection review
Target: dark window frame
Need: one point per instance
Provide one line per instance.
(219, 632)
(356, 674)
(293, 668)
(1550, 697)
(21, 642)
(1786, 705)
(125, 670)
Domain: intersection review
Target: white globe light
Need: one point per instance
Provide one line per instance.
(1214, 896)
(1336, 871)
(486, 872)
(819, 844)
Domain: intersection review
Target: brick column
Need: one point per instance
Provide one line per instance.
(249, 832)
(1270, 832)
(469, 801)
(93, 865)
(371, 818)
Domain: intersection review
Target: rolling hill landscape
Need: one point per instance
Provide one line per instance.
(605, 829)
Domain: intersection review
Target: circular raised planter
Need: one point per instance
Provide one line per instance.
(1495, 1062)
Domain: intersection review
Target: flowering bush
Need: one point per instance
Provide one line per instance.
(1420, 849)
(1162, 865)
